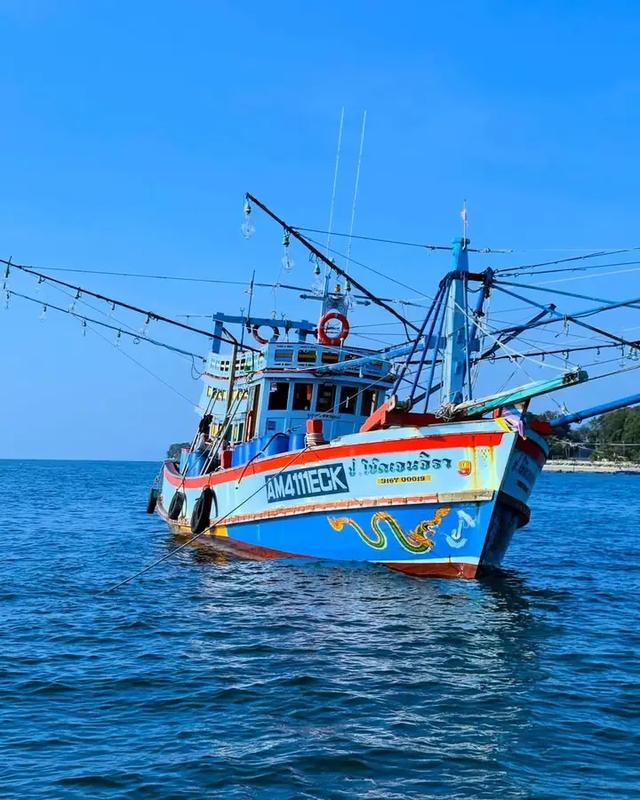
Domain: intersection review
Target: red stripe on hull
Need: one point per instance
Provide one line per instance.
(318, 454)
(443, 570)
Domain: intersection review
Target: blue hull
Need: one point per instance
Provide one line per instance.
(436, 501)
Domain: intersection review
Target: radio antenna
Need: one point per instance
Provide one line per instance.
(357, 183)
(335, 181)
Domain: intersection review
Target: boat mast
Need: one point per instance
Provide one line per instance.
(332, 266)
(455, 366)
(228, 416)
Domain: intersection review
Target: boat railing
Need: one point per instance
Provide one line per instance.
(220, 365)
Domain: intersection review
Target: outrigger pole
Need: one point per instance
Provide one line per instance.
(151, 315)
(578, 416)
(520, 393)
(314, 250)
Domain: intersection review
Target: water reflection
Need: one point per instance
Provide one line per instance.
(421, 664)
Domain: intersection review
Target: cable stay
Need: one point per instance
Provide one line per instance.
(422, 246)
(572, 318)
(608, 304)
(597, 254)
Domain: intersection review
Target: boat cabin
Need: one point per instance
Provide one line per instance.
(274, 393)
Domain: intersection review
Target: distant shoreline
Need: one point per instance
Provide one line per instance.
(573, 465)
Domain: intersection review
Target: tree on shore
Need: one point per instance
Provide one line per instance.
(613, 437)
(616, 435)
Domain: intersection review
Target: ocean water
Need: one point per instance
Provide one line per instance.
(317, 680)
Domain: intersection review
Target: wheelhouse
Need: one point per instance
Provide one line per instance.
(265, 400)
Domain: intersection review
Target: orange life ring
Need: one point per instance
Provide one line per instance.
(344, 330)
(260, 339)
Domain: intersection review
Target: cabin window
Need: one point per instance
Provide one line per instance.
(326, 397)
(348, 399)
(368, 402)
(283, 356)
(252, 412)
(328, 357)
(278, 396)
(237, 432)
(302, 393)
(306, 356)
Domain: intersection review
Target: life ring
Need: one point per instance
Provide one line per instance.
(260, 339)
(344, 330)
(201, 516)
(175, 507)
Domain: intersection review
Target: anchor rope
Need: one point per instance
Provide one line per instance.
(196, 536)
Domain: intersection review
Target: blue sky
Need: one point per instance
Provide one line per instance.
(130, 132)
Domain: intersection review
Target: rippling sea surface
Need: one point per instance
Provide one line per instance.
(312, 680)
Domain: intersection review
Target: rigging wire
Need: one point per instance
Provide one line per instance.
(572, 317)
(256, 284)
(133, 334)
(78, 299)
(335, 179)
(160, 277)
(376, 271)
(319, 255)
(592, 276)
(151, 314)
(421, 245)
(374, 239)
(597, 254)
(142, 366)
(610, 303)
(505, 273)
(195, 373)
(355, 188)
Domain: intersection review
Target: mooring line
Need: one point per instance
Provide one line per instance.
(198, 535)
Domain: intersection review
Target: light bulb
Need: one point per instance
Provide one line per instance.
(287, 262)
(247, 228)
(143, 332)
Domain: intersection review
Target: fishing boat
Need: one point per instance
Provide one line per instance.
(310, 448)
